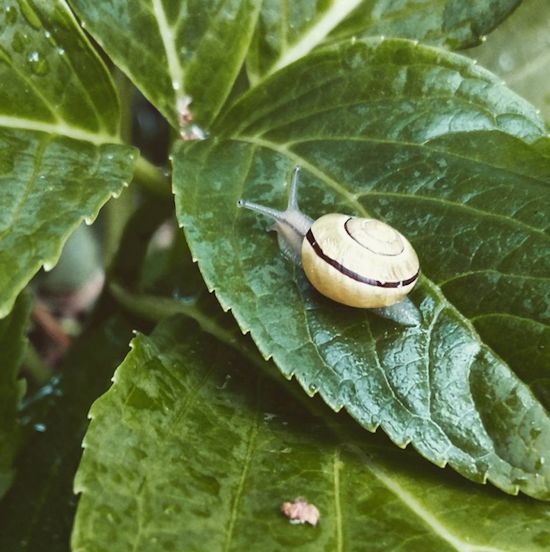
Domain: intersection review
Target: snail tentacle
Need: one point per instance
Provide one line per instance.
(359, 262)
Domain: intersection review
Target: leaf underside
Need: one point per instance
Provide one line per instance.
(439, 148)
(193, 449)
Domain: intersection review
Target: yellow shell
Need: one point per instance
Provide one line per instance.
(359, 262)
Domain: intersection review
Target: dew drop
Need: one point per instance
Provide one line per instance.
(47, 34)
(312, 388)
(535, 432)
(39, 64)
(48, 265)
(39, 427)
(89, 220)
(11, 15)
(60, 51)
(18, 42)
(176, 85)
(483, 38)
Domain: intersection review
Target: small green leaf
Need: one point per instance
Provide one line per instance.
(60, 160)
(37, 514)
(439, 148)
(175, 49)
(289, 30)
(193, 449)
(12, 346)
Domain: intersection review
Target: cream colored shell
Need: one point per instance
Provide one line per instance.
(359, 262)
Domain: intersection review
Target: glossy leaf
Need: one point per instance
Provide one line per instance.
(289, 30)
(12, 346)
(37, 513)
(51, 79)
(59, 156)
(173, 49)
(518, 51)
(193, 449)
(442, 150)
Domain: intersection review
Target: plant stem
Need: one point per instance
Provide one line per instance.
(117, 213)
(156, 308)
(39, 371)
(152, 178)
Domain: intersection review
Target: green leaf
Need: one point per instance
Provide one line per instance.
(289, 30)
(193, 449)
(37, 513)
(175, 49)
(12, 346)
(59, 156)
(518, 52)
(439, 148)
(52, 80)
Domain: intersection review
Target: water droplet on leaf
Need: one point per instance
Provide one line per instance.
(17, 42)
(11, 15)
(39, 64)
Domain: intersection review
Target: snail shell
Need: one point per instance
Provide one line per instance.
(359, 262)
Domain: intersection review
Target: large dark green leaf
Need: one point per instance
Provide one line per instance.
(12, 345)
(289, 30)
(443, 151)
(37, 513)
(60, 159)
(174, 49)
(193, 449)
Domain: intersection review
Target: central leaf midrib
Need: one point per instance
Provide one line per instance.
(166, 34)
(58, 129)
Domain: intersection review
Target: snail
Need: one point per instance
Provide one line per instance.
(359, 262)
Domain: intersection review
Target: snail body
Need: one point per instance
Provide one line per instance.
(359, 262)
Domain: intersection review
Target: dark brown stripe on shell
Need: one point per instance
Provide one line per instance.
(353, 275)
